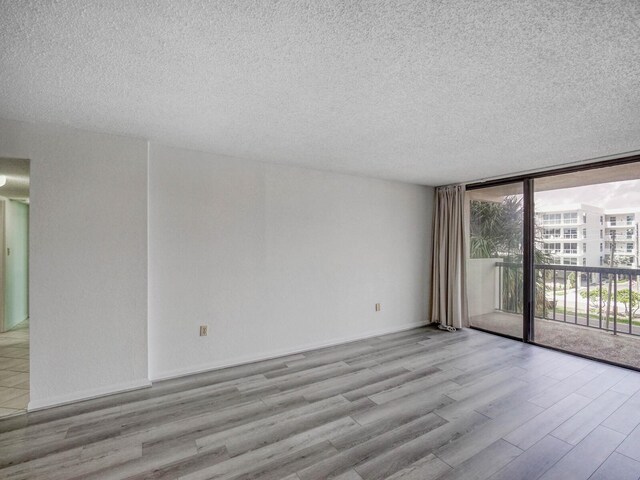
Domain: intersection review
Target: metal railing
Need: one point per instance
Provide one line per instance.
(597, 297)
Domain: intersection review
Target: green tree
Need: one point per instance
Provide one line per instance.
(597, 299)
(496, 231)
(630, 300)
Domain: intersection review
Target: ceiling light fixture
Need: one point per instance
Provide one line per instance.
(3, 180)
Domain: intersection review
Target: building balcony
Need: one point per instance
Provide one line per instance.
(592, 306)
(621, 238)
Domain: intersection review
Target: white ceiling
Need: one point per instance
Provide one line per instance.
(430, 92)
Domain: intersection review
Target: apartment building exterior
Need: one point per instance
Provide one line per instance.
(583, 235)
(621, 226)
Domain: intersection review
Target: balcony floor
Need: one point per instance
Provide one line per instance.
(619, 348)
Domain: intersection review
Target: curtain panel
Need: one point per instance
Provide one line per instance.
(448, 282)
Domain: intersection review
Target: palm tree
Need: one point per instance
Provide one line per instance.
(496, 231)
(496, 228)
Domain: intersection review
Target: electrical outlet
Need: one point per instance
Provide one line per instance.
(378, 307)
(203, 330)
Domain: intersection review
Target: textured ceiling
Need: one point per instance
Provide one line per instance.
(430, 92)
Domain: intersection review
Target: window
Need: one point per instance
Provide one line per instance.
(551, 233)
(629, 233)
(570, 233)
(551, 218)
(629, 219)
(552, 247)
(630, 247)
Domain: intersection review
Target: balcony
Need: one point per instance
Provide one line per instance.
(619, 252)
(620, 238)
(593, 311)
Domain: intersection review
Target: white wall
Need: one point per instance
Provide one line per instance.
(593, 239)
(88, 252)
(16, 291)
(482, 285)
(276, 259)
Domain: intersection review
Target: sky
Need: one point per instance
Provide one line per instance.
(624, 194)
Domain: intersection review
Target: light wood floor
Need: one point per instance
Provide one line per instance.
(421, 404)
(14, 370)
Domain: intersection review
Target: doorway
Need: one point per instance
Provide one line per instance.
(554, 259)
(589, 295)
(495, 259)
(14, 285)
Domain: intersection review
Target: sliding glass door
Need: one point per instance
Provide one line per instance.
(587, 271)
(495, 259)
(553, 259)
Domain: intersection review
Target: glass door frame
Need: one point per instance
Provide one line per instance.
(529, 285)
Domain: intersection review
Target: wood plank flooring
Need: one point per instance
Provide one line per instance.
(421, 404)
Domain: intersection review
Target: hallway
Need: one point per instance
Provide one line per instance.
(14, 370)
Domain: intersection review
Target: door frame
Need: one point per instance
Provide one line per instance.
(3, 256)
(528, 180)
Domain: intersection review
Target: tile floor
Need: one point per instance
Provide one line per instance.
(14, 370)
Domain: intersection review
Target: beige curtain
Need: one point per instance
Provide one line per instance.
(448, 282)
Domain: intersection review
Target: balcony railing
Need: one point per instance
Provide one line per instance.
(597, 297)
(619, 224)
(620, 238)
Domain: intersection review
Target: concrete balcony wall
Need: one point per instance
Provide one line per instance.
(482, 285)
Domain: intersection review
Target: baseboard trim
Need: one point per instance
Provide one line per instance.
(203, 368)
(35, 405)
